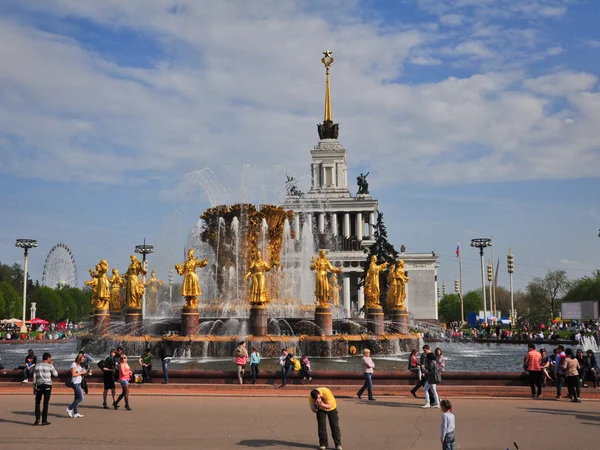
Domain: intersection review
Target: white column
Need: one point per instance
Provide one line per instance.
(361, 297)
(308, 220)
(346, 225)
(347, 295)
(334, 224)
(359, 226)
(372, 225)
(297, 225)
(321, 222)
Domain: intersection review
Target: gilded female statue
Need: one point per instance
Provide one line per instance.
(92, 284)
(115, 291)
(401, 280)
(152, 284)
(257, 270)
(134, 291)
(334, 290)
(101, 290)
(190, 288)
(390, 299)
(322, 267)
(372, 290)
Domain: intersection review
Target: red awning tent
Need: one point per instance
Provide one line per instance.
(37, 321)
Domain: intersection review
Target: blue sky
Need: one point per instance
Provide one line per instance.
(475, 118)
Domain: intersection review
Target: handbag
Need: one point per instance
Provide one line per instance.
(69, 383)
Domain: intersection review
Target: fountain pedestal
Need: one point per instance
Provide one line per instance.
(190, 320)
(101, 321)
(324, 319)
(400, 319)
(133, 320)
(375, 319)
(116, 314)
(259, 320)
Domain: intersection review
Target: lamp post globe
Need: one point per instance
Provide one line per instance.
(25, 244)
(482, 243)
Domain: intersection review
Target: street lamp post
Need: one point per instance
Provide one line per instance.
(144, 249)
(171, 286)
(510, 261)
(25, 244)
(482, 243)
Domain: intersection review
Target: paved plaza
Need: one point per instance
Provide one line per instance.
(232, 422)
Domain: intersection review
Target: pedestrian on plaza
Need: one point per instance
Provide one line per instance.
(545, 364)
(422, 363)
(413, 364)
(433, 375)
(533, 364)
(323, 404)
(440, 359)
(30, 362)
(581, 360)
(559, 372)
(591, 367)
(124, 378)
(241, 359)
(165, 353)
(305, 368)
(118, 355)
(86, 364)
(146, 363)
(42, 386)
(254, 362)
(571, 367)
(367, 365)
(108, 368)
(448, 425)
(77, 373)
(285, 361)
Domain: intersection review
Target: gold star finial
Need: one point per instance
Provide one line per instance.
(327, 59)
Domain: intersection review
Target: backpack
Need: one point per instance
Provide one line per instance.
(101, 364)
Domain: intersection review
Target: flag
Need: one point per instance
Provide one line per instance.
(458, 249)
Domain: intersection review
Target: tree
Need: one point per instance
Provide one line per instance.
(473, 301)
(584, 289)
(83, 299)
(71, 310)
(547, 292)
(48, 303)
(1, 305)
(449, 308)
(384, 252)
(13, 304)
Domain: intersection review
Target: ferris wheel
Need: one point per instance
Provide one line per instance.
(60, 268)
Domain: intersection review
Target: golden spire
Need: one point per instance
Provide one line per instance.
(327, 60)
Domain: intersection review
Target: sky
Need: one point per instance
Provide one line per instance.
(123, 121)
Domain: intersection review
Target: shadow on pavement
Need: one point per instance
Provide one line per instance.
(32, 414)
(18, 422)
(566, 412)
(257, 443)
(392, 404)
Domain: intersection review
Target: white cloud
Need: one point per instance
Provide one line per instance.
(475, 48)
(451, 20)
(561, 84)
(425, 61)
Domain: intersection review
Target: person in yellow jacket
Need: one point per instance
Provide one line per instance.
(296, 363)
(323, 404)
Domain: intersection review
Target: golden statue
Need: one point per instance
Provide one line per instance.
(401, 280)
(191, 287)
(391, 293)
(152, 298)
(372, 290)
(257, 270)
(116, 299)
(334, 290)
(101, 289)
(134, 291)
(322, 266)
(93, 283)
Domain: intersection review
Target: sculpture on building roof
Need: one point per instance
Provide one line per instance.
(363, 185)
(291, 187)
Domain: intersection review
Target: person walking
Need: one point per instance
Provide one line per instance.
(254, 362)
(146, 363)
(108, 368)
(448, 425)
(30, 362)
(533, 364)
(42, 386)
(422, 363)
(367, 368)
(323, 404)
(77, 373)
(166, 354)
(305, 368)
(433, 376)
(559, 372)
(241, 359)
(124, 377)
(86, 364)
(571, 367)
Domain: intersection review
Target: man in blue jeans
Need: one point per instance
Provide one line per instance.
(166, 354)
(285, 361)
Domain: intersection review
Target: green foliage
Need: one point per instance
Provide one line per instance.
(546, 293)
(13, 305)
(48, 303)
(584, 289)
(1, 305)
(13, 275)
(449, 308)
(473, 301)
(71, 310)
(384, 252)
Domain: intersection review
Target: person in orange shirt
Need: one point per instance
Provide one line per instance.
(533, 364)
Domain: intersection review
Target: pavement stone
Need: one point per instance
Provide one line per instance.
(219, 422)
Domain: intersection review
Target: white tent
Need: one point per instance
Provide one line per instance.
(11, 321)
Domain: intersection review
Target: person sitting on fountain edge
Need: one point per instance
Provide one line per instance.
(323, 404)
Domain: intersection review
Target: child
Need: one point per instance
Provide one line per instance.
(448, 425)
(305, 368)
